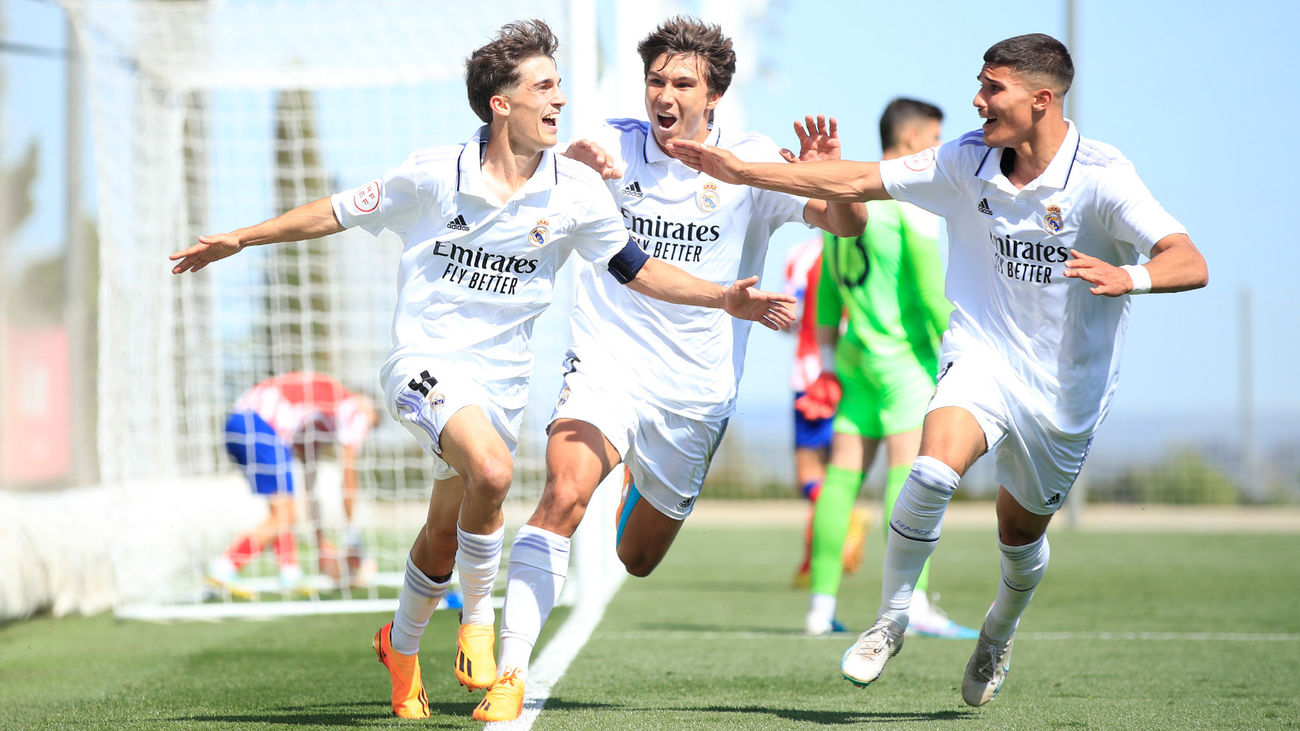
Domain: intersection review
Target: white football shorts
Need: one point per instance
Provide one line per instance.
(668, 454)
(1033, 460)
(423, 394)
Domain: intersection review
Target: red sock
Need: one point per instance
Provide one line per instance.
(286, 549)
(242, 551)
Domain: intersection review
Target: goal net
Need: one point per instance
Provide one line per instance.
(208, 116)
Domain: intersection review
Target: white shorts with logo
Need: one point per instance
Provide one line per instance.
(668, 454)
(1036, 462)
(423, 394)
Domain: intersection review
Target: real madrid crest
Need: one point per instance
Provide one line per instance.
(540, 234)
(1052, 221)
(707, 199)
(436, 400)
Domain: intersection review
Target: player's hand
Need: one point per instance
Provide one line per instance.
(821, 398)
(711, 161)
(772, 309)
(593, 156)
(1109, 280)
(209, 249)
(819, 139)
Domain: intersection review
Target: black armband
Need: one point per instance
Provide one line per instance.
(627, 263)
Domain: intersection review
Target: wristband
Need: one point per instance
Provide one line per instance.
(1140, 276)
(827, 355)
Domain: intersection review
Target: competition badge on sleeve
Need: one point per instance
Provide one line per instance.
(707, 199)
(1052, 220)
(366, 198)
(540, 234)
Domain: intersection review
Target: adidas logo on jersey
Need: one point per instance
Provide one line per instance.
(685, 503)
(458, 223)
(634, 189)
(984, 207)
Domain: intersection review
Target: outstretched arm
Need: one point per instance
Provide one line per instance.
(663, 281)
(840, 181)
(1176, 265)
(308, 221)
(820, 140)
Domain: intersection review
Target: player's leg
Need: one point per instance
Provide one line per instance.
(398, 642)
(645, 534)
(951, 440)
(472, 446)
(669, 463)
(579, 454)
(851, 456)
(1036, 472)
(924, 618)
(1022, 539)
(812, 442)
(578, 457)
(268, 464)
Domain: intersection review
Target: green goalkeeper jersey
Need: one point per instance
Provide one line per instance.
(890, 282)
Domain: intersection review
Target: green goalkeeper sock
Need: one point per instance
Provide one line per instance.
(834, 509)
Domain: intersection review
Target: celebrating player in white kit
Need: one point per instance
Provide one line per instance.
(648, 385)
(486, 225)
(1045, 229)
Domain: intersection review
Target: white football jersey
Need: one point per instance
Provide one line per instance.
(1006, 263)
(475, 273)
(686, 360)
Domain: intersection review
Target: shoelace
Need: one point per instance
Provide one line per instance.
(879, 646)
(989, 660)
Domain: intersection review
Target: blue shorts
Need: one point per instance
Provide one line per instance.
(811, 433)
(270, 470)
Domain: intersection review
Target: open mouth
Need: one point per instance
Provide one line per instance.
(665, 122)
(551, 121)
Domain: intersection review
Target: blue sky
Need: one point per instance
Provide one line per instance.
(1200, 95)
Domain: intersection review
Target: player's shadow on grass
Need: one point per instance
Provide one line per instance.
(356, 713)
(835, 718)
(556, 706)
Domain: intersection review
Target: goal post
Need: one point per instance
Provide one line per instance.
(212, 115)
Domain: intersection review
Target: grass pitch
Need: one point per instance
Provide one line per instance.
(1163, 631)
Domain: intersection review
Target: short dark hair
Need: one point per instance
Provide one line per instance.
(494, 68)
(682, 35)
(1035, 54)
(901, 112)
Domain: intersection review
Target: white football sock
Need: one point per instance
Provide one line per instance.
(1022, 568)
(914, 528)
(477, 560)
(539, 562)
(415, 604)
(822, 607)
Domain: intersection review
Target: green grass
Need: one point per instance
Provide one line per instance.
(712, 640)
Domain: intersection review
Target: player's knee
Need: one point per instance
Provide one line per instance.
(638, 566)
(561, 507)
(491, 479)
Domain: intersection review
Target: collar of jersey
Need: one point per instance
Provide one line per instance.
(1055, 176)
(654, 153)
(469, 170)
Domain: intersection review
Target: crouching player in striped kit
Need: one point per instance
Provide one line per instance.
(1045, 228)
